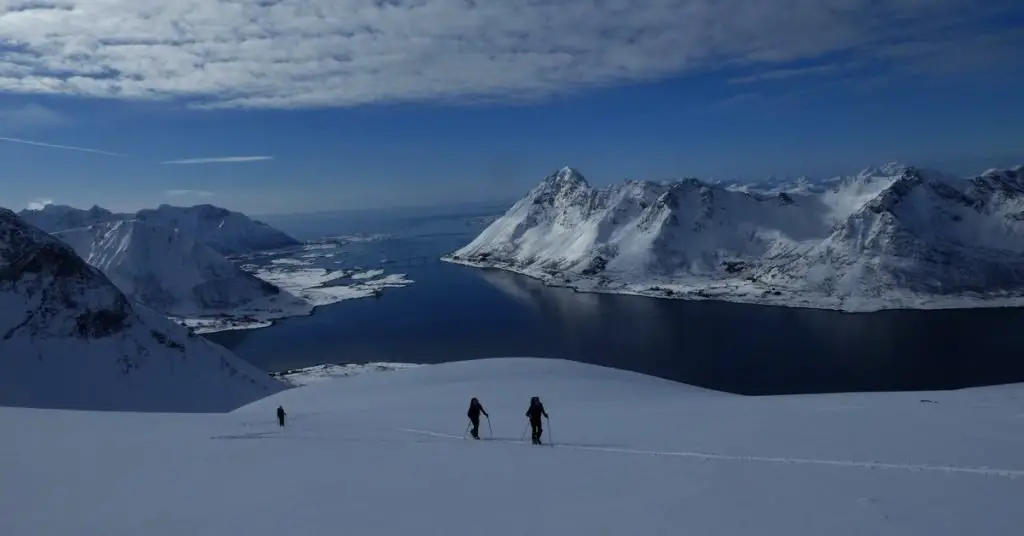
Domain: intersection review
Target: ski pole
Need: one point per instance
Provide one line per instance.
(466, 431)
(489, 429)
(551, 436)
(522, 437)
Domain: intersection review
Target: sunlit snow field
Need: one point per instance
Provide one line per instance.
(383, 454)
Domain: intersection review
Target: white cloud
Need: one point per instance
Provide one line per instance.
(39, 204)
(220, 160)
(187, 193)
(55, 146)
(29, 117)
(310, 53)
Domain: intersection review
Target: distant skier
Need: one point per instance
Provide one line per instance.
(475, 409)
(534, 413)
(280, 415)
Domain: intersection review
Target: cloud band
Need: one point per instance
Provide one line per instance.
(313, 53)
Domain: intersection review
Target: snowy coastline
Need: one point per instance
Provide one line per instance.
(891, 237)
(312, 287)
(747, 292)
(328, 371)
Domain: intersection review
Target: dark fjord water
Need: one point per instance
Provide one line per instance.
(454, 313)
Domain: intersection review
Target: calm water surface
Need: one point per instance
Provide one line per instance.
(457, 313)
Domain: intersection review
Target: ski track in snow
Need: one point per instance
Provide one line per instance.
(985, 471)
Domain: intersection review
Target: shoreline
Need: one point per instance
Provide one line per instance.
(780, 298)
(252, 325)
(266, 322)
(303, 376)
(366, 284)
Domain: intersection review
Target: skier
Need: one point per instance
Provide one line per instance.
(475, 409)
(280, 415)
(534, 413)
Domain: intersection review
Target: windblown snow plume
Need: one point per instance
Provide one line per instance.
(890, 237)
(70, 339)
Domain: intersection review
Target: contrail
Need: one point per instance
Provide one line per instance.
(219, 160)
(55, 146)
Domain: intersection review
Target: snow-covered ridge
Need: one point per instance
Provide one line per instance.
(890, 237)
(70, 339)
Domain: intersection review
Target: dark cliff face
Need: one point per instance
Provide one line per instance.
(64, 296)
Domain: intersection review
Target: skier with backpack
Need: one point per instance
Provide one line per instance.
(534, 413)
(475, 409)
(280, 416)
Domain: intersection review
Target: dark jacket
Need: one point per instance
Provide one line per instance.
(536, 410)
(475, 409)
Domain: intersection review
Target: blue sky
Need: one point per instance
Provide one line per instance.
(362, 103)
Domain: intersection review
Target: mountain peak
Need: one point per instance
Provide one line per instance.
(567, 175)
(71, 339)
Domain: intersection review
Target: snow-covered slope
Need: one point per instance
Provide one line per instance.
(382, 454)
(70, 339)
(169, 269)
(227, 232)
(806, 245)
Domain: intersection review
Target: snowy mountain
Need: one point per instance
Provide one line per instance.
(227, 232)
(168, 269)
(70, 339)
(53, 218)
(176, 261)
(172, 259)
(384, 454)
(892, 236)
(563, 225)
(925, 235)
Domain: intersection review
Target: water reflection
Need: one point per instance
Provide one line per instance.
(766, 350)
(454, 313)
